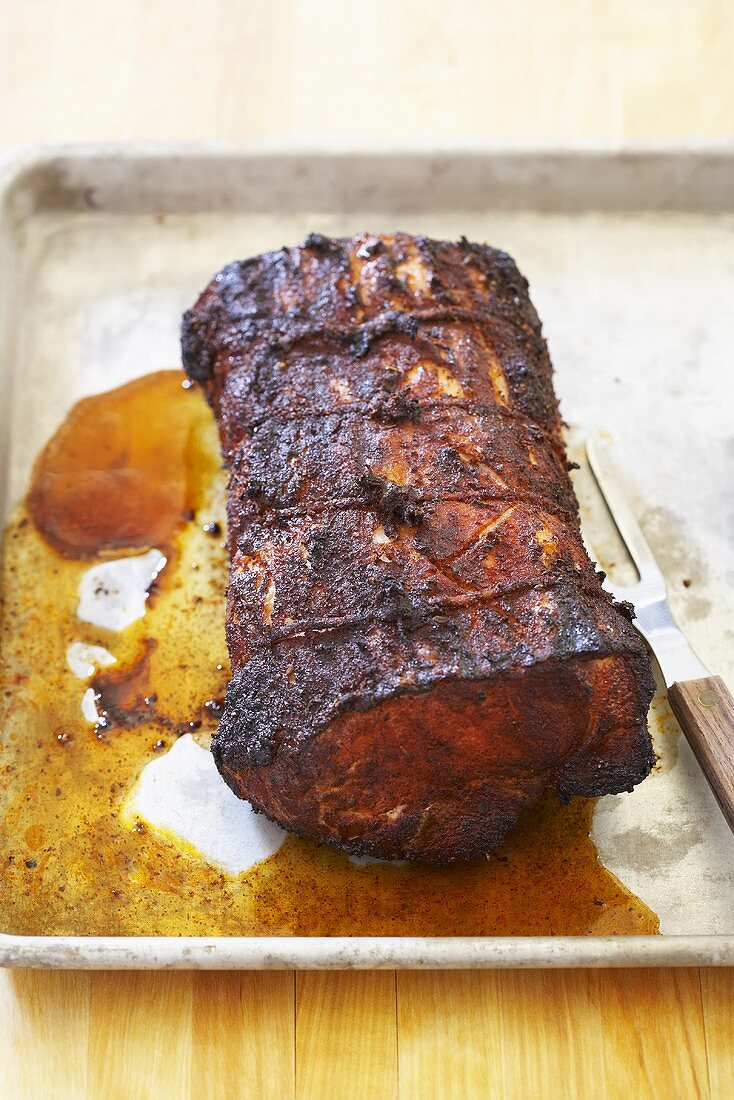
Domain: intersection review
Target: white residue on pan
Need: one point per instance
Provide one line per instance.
(84, 659)
(182, 797)
(113, 594)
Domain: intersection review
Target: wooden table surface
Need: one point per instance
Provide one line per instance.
(336, 71)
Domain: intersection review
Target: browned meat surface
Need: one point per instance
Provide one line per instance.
(420, 644)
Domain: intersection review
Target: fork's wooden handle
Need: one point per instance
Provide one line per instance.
(705, 710)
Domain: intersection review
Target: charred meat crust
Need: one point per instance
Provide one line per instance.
(420, 645)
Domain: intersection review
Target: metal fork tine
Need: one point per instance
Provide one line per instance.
(654, 619)
(608, 481)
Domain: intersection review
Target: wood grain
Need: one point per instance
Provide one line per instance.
(717, 998)
(337, 71)
(511, 1034)
(705, 710)
(124, 1058)
(342, 72)
(243, 1035)
(520, 1033)
(346, 1039)
(566, 1044)
(654, 1041)
(45, 1020)
(450, 1037)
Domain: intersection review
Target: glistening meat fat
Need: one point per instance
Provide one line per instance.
(420, 645)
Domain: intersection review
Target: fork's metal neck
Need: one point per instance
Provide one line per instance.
(676, 658)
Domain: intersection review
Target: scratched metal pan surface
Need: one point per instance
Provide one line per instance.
(629, 256)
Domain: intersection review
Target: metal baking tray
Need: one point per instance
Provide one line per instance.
(629, 254)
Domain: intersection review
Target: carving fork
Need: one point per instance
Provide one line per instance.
(702, 703)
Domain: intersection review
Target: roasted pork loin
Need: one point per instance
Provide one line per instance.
(420, 645)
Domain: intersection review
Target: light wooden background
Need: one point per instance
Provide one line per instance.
(321, 72)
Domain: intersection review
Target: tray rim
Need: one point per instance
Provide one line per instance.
(20, 162)
(341, 952)
(361, 952)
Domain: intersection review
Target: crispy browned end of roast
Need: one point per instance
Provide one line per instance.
(420, 645)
